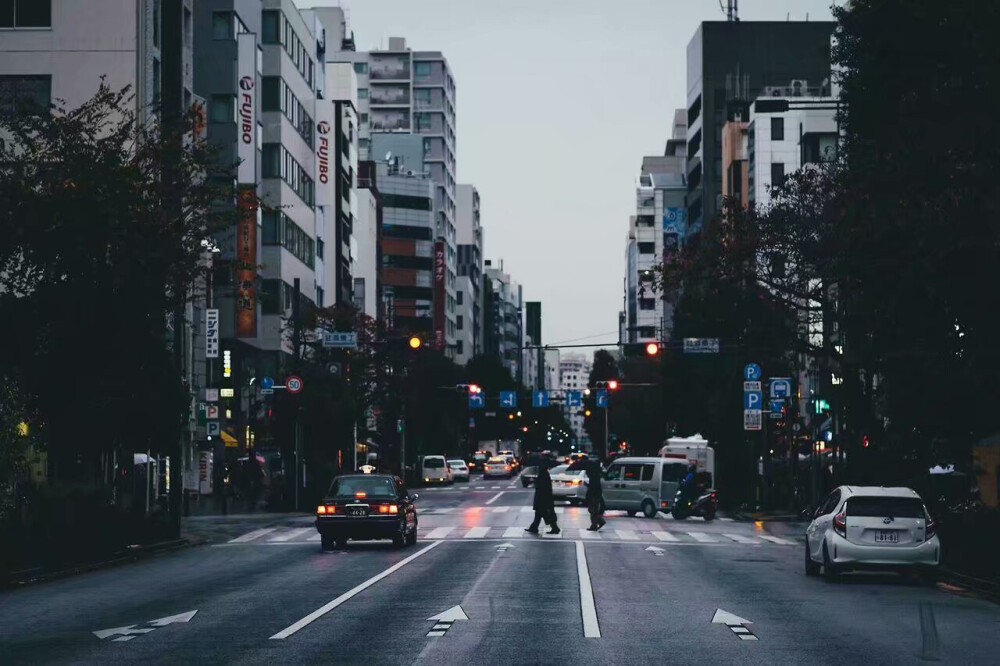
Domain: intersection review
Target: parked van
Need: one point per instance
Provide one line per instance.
(434, 469)
(643, 484)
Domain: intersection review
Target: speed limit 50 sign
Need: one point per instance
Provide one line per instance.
(294, 384)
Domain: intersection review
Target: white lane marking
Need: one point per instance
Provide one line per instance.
(665, 536)
(314, 537)
(250, 536)
(444, 509)
(588, 610)
(726, 520)
(588, 534)
(702, 537)
(739, 538)
(526, 509)
(514, 532)
(288, 536)
(476, 533)
(495, 497)
(627, 535)
(778, 540)
(346, 596)
(560, 509)
(439, 532)
(496, 487)
(500, 509)
(479, 487)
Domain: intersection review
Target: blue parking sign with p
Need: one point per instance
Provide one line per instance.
(753, 399)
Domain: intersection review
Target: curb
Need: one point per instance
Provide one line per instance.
(776, 518)
(959, 583)
(130, 554)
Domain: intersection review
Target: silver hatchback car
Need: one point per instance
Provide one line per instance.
(866, 527)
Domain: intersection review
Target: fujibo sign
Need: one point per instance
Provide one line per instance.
(246, 72)
(323, 151)
(246, 109)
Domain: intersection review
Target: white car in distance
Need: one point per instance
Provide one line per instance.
(868, 527)
(459, 470)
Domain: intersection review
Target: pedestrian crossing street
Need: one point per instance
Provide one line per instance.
(610, 533)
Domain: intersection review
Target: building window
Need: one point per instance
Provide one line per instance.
(25, 13)
(156, 80)
(777, 128)
(460, 321)
(320, 245)
(460, 348)
(270, 26)
(777, 174)
(24, 95)
(361, 68)
(647, 304)
(222, 109)
(270, 93)
(270, 154)
(222, 25)
(156, 23)
(647, 248)
(362, 93)
(458, 296)
(647, 331)
(363, 118)
(421, 69)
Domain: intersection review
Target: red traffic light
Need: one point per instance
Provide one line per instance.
(652, 349)
(475, 388)
(613, 384)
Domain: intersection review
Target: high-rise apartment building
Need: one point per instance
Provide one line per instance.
(574, 374)
(753, 54)
(502, 300)
(470, 270)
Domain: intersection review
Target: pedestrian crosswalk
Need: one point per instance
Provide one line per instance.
(623, 534)
(560, 510)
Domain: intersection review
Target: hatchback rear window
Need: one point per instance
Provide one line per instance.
(883, 507)
(433, 463)
(371, 486)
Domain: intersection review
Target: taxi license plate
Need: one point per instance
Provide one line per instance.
(357, 511)
(886, 536)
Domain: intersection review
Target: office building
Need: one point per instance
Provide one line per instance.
(504, 334)
(574, 375)
(470, 263)
(757, 54)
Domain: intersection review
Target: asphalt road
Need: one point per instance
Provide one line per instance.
(640, 591)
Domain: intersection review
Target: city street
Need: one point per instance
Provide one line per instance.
(476, 587)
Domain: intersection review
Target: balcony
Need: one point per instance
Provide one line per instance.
(389, 74)
(402, 124)
(392, 98)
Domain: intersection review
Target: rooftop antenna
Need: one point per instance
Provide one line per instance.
(731, 10)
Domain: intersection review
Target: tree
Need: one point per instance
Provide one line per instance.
(102, 241)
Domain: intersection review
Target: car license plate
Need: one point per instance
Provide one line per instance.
(357, 511)
(886, 536)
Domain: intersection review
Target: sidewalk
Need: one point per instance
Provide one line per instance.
(219, 529)
(766, 516)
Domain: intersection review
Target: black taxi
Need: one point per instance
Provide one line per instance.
(364, 507)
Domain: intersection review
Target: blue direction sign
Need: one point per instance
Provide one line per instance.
(602, 398)
(508, 398)
(477, 401)
(781, 387)
(751, 372)
(267, 383)
(574, 399)
(753, 400)
(540, 399)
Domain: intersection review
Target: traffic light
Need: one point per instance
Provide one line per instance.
(415, 342)
(475, 388)
(613, 384)
(586, 412)
(652, 348)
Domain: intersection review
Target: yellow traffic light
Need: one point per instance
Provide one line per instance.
(415, 342)
(586, 412)
(510, 417)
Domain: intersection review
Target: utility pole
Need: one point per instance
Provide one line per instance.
(297, 354)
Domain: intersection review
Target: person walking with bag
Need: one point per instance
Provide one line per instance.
(544, 504)
(595, 496)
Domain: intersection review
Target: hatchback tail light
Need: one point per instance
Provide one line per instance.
(840, 524)
(930, 528)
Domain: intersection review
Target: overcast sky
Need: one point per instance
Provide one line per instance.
(557, 102)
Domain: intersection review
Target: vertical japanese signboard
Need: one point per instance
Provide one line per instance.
(440, 272)
(246, 264)
(327, 156)
(212, 333)
(246, 105)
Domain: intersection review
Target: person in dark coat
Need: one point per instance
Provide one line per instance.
(544, 504)
(595, 496)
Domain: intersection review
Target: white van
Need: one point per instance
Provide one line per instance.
(434, 469)
(694, 449)
(643, 484)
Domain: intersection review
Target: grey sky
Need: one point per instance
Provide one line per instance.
(557, 102)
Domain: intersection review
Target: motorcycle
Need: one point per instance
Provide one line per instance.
(706, 505)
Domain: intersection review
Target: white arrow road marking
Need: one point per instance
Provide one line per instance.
(124, 631)
(495, 497)
(739, 538)
(588, 610)
(514, 533)
(288, 536)
(451, 615)
(664, 536)
(476, 533)
(655, 550)
(728, 619)
(439, 532)
(778, 540)
(505, 546)
(250, 536)
(346, 596)
(702, 537)
(173, 619)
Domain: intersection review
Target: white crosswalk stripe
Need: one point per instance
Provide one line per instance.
(500, 509)
(314, 537)
(514, 532)
(250, 536)
(725, 520)
(739, 538)
(526, 509)
(778, 540)
(291, 534)
(557, 535)
(477, 533)
(627, 535)
(439, 532)
(587, 534)
(702, 537)
(665, 536)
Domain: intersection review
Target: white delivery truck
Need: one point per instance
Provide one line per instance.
(692, 449)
